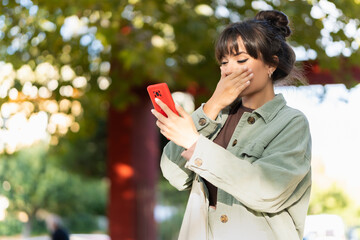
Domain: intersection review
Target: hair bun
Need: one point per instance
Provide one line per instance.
(276, 18)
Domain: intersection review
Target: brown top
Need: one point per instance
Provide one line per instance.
(222, 139)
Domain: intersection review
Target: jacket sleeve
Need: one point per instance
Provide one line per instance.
(206, 126)
(172, 164)
(276, 180)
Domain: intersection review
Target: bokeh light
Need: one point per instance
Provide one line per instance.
(31, 113)
(4, 204)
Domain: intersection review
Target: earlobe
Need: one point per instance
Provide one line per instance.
(271, 70)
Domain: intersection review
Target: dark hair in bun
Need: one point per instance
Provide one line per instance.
(264, 37)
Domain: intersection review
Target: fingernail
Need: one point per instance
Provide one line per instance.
(156, 99)
(248, 82)
(152, 111)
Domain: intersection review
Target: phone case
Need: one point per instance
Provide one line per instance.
(162, 92)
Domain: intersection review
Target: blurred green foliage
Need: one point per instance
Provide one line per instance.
(36, 182)
(76, 223)
(10, 226)
(334, 200)
(126, 30)
(144, 42)
(85, 152)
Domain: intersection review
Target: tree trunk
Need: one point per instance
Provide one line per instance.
(27, 227)
(132, 168)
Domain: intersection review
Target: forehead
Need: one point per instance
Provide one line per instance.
(234, 40)
(233, 47)
(236, 47)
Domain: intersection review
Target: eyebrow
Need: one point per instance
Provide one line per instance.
(236, 54)
(239, 53)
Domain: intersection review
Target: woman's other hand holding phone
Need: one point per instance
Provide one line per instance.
(179, 129)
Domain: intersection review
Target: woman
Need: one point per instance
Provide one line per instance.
(247, 153)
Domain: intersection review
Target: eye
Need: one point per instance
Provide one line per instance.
(242, 61)
(223, 63)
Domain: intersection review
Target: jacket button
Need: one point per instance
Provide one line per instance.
(198, 162)
(251, 120)
(234, 143)
(224, 219)
(202, 121)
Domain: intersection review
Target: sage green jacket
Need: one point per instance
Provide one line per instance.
(263, 176)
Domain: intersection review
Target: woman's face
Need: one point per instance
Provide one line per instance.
(260, 81)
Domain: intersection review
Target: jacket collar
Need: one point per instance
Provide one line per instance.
(270, 109)
(267, 111)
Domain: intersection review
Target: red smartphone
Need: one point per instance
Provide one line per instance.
(162, 92)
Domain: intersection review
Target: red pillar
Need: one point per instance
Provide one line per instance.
(133, 160)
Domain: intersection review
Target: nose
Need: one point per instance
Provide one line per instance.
(227, 69)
